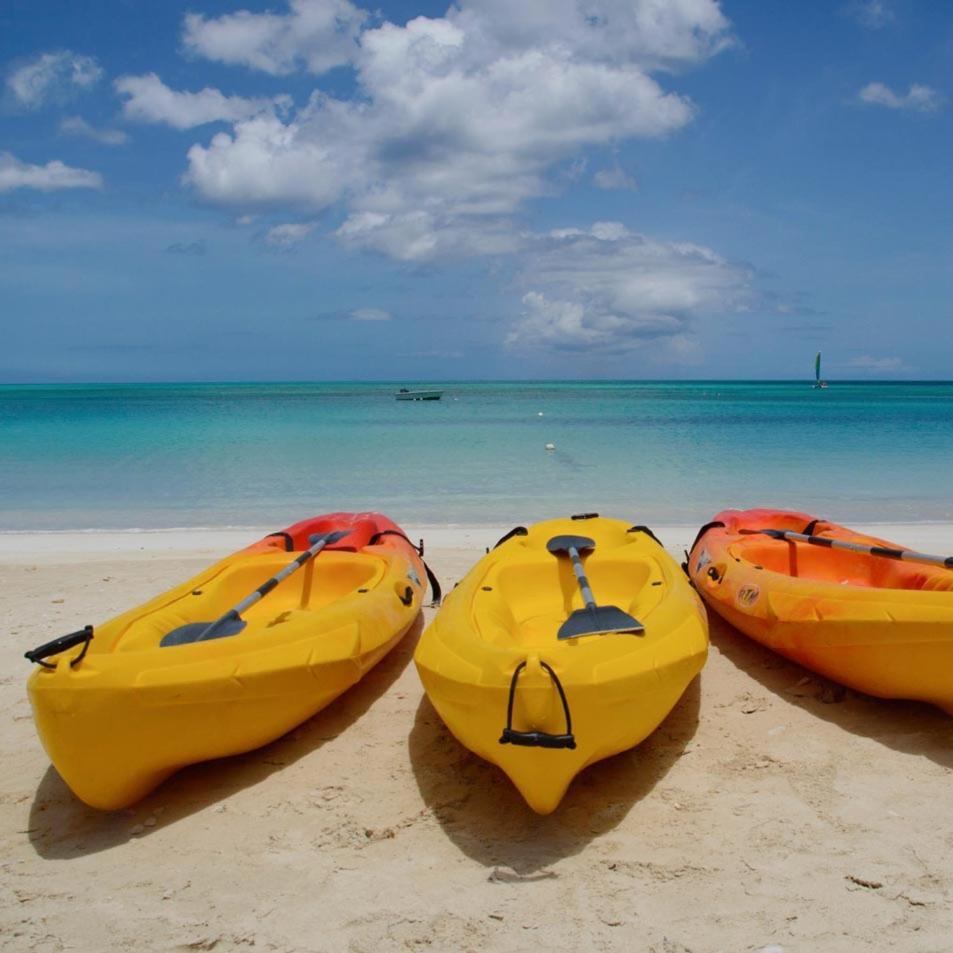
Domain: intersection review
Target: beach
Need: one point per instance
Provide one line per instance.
(771, 811)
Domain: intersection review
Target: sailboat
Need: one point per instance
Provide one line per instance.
(818, 383)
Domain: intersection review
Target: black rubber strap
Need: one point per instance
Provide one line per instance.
(646, 530)
(515, 531)
(289, 542)
(376, 538)
(811, 527)
(436, 592)
(714, 524)
(64, 642)
(537, 739)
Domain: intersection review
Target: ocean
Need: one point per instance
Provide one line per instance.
(183, 455)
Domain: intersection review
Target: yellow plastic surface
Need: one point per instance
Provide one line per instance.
(132, 712)
(619, 686)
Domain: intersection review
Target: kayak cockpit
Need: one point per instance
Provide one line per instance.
(523, 603)
(816, 563)
(334, 577)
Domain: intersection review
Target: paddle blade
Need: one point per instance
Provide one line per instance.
(328, 539)
(192, 631)
(562, 544)
(599, 620)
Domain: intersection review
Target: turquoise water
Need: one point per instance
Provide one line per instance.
(162, 455)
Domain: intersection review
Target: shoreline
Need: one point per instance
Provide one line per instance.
(20, 545)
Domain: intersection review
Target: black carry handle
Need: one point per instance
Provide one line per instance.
(64, 642)
(435, 592)
(537, 739)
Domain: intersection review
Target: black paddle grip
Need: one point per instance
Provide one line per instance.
(82, 636)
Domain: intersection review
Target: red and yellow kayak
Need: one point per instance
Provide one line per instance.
(122, 713)
(879, 625)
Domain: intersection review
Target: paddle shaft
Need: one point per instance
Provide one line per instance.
(584, 586)
(236, 611)
(905, 555)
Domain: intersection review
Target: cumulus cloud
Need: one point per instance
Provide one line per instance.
(370, 314)
(52, 76)
(871, 14)
(651, 33)
(315, 34)
(15, 174)
(458, 120)
(288, 235)
(614, 177)
(148, 99)
(77, 126)
(455, 123)
(918, 97)
(607, 287)
(867, 362)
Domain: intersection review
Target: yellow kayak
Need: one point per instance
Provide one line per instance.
(122, 707)
(510, 669)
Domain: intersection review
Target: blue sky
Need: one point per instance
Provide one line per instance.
(555, 188)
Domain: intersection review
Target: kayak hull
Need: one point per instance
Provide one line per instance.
(618, 687)
(132, 712)
(880, 626)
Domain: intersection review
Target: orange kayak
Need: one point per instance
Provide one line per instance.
(882, 626)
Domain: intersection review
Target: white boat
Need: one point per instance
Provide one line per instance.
(405, 394)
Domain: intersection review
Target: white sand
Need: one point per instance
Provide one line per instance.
(771, 810)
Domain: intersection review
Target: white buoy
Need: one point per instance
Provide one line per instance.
(550, 446)
(540, 414)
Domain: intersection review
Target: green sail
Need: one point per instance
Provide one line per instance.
(817, 367)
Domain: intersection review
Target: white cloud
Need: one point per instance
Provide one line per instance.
(370, 314)
(867, 362)
(285, 236)
(918, 97)
(419, 235)
(872, 14)
(148, 99)
(614, 177)
(651, 33)
(459, 120)
(609, 288)
(77, 126)
(15, 174)
(316, 34)
(52, 76)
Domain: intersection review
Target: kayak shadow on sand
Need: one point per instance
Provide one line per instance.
(62, 827)
(910, 727)
(481, 811)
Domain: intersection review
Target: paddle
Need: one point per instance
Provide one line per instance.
(906, 555)
(231, 623)
(594, 619)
